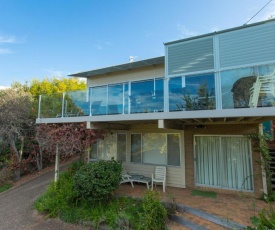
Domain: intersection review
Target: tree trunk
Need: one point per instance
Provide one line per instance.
(38, 159)
(17, 162)
(21, 149)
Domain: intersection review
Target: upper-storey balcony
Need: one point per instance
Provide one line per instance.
(237, 93)
(226, 76)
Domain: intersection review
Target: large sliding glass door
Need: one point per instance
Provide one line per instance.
(223, 161)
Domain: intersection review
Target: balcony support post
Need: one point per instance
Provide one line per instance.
(39, 106)
(63, 97)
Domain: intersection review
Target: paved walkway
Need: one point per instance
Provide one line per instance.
(16, 207)
(17, 212)
(238, 208)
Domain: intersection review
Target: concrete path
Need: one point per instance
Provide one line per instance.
(16, 207)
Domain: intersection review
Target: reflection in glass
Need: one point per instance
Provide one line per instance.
(75, 104)
(121, 147)
(99, 100)
(107, 147)
(51, 105)
(173, 149)
(115, 99)
(154, 148)
(192, 93)
(147, 96)
(248, 87)
(93, 151)
(136, 148)
(126, 97)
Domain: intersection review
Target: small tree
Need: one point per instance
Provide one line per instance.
(15, 107)
(67, 139)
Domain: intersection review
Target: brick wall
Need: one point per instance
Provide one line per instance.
(220, 130)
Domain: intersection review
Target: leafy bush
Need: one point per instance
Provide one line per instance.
(97, 181)
(60, 194)
(266, 219)
(153, 215)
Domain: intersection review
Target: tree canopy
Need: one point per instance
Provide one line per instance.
(55, 85)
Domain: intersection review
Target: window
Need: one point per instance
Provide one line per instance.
(93, 151)
(121, 147)
(103, 149)
(224, 162)
(192, 93)
(155, 148)
(115, 99)
(147, 96)
(248, 87)
(99, 100)
(136, 148)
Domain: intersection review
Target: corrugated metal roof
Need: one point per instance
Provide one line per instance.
(126, 66)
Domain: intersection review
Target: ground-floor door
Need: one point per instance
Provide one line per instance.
(223, 162)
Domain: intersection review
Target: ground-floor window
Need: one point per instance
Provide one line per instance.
(104, 149)
(155, 148)
(223, 161)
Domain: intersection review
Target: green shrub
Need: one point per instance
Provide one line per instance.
(153, 215)
(60, 194)
(266, 219)
(97, 181)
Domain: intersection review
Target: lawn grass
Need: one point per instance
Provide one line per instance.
(5, 187)
(204, 193)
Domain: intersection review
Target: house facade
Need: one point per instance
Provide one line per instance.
(189, 110)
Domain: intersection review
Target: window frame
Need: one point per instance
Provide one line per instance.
(180, 150)
(221, 187)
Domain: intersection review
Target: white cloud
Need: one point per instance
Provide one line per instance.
(185, 32)
(10, 39)
(5, 51)
(7, 39)
(54, 73)
(99, 47)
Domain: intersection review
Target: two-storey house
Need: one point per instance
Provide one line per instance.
(189, 110)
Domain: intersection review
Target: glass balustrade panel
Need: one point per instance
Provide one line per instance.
(187, 93)
(51, 105)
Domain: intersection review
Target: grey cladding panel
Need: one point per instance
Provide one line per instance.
(190, 56)
(250, 45)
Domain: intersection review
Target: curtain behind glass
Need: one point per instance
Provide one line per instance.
(208, 160)
(224, 162)
(237, 166)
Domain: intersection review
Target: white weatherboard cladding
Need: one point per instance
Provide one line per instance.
(191, 56)
(247, 46)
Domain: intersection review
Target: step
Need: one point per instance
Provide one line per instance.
(198, 216)
(192, 221)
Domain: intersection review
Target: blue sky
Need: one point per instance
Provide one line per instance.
(46, 38)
